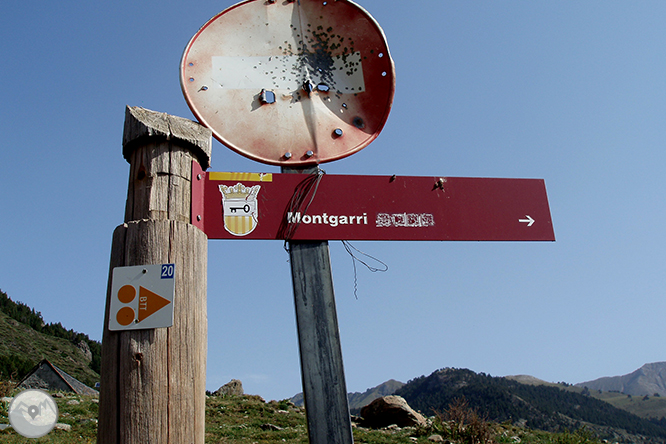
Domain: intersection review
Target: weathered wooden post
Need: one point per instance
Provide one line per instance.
(153, 380)
(322, 370)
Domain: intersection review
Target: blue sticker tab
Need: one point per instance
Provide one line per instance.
(167, 271)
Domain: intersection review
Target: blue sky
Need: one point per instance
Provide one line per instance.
(571, 92)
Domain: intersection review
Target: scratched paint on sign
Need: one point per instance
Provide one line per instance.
(285, 74)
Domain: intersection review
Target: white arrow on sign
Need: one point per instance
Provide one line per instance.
(529, 221)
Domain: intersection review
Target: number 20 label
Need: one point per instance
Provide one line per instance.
(167, 271)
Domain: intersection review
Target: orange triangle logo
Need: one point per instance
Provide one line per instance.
(149, 303)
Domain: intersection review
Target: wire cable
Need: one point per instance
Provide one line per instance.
(297, 204)
(349, 247)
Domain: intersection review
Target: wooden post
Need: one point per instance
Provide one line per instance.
(322, 372)
(153, 381)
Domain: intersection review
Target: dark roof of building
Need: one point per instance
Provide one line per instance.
(71, 382)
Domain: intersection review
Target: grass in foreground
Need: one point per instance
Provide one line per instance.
(248, 419)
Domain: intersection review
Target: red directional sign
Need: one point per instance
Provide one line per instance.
(343, 207)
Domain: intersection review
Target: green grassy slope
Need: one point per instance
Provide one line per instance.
(19, 339)
(250, 420)
(652, 407)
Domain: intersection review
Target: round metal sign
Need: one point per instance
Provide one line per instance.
(290, 82)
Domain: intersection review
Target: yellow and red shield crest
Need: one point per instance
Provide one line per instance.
(241, 214)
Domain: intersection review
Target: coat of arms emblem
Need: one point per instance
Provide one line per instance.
(241, 214)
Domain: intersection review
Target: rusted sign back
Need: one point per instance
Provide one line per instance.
(290, 82)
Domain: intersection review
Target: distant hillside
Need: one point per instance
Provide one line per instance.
(648, 407)
(647, 380)
(531, 380)
(543, 407)
(25, 340)
(358, 400)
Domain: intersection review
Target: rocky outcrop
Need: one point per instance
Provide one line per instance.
(359, 400)
(85, 349)
(388, 410)
(233, 387)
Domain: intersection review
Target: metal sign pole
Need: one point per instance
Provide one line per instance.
(324, 387)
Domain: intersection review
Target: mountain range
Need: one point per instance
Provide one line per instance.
(358, 400)
(649, 380)
(550, 407)
(529, 401)
(624, 408)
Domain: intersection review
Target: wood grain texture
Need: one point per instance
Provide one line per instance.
(159, 183)
(188, 336)
(324, 387)
(109, 381)
(153, 380)
(141, 123)
(322, 370)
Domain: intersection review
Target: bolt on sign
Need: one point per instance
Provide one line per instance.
(142, 297)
